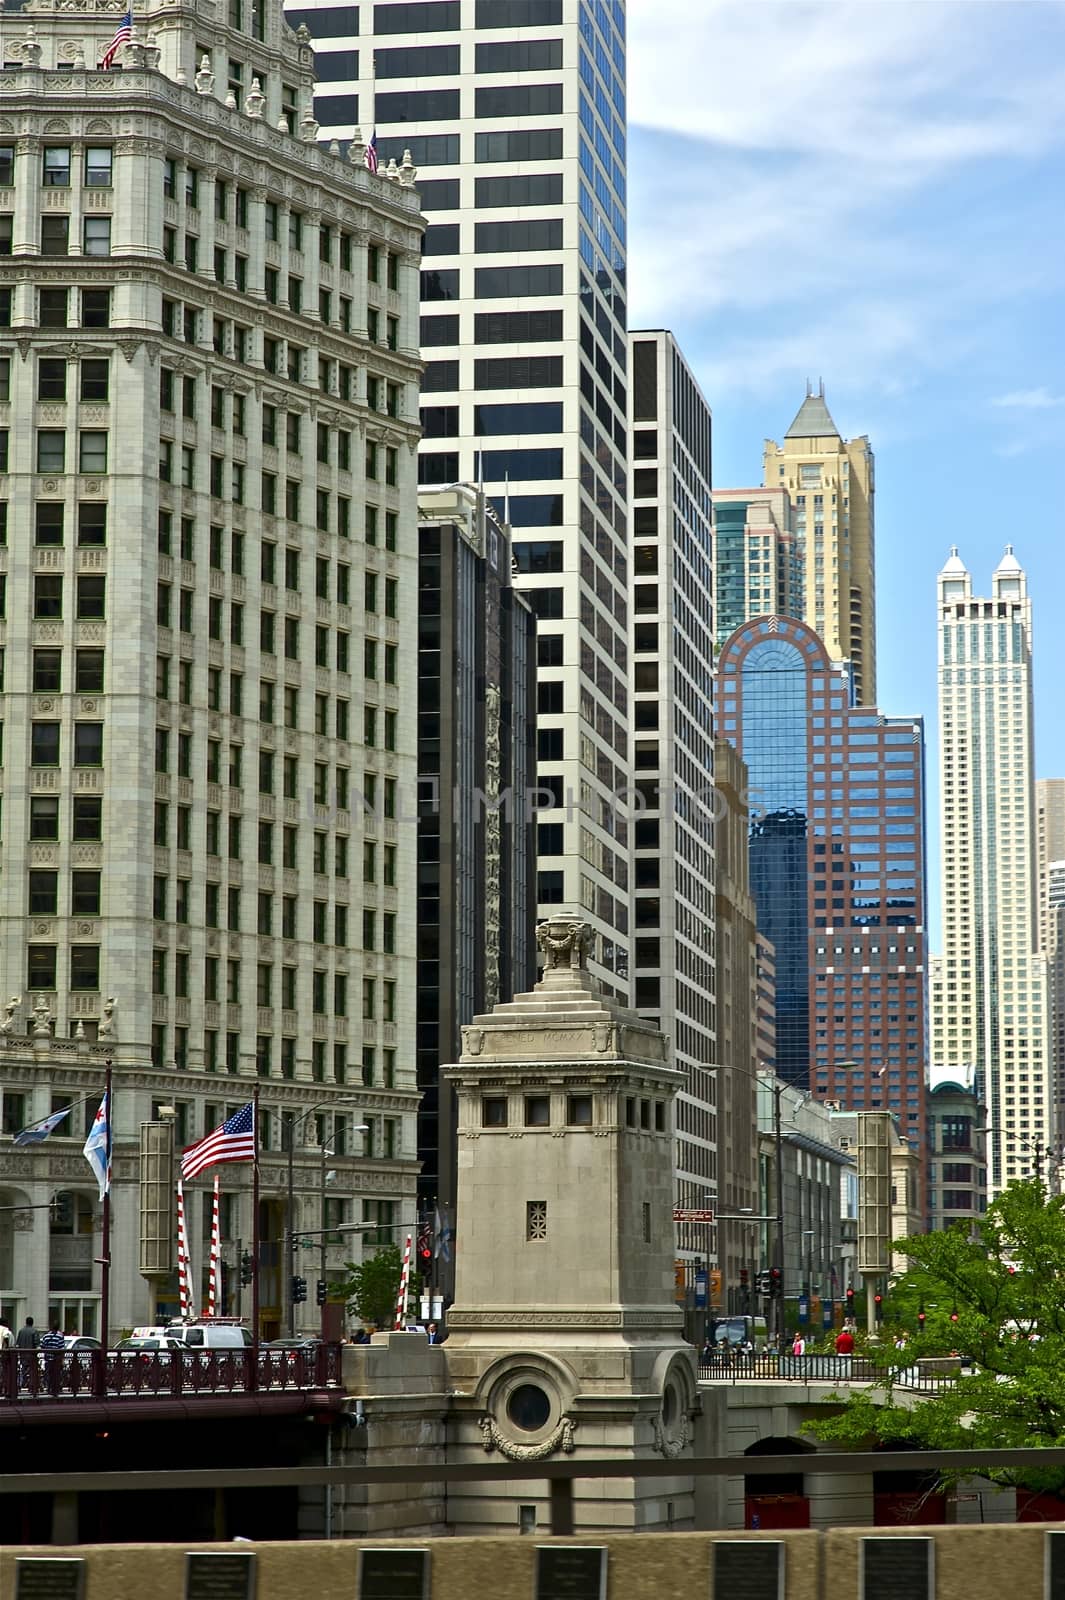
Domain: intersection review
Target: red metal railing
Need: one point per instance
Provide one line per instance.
(28, 1375)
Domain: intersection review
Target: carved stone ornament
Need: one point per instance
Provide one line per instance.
(565, 943)
(106, 1030)
(473, 1039)
(42, 1019)
(560, 1439)
(672, 1444)
(8, 1023)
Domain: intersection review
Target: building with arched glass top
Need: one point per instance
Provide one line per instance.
(837, 851)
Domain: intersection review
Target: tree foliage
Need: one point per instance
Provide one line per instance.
(1004, 1282)
(371, 1287)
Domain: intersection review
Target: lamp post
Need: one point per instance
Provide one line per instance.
(362, 1127)
(291, 1123)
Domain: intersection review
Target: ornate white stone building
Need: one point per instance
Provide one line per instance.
(208, 423)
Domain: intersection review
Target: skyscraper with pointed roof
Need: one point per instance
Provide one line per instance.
(831, 483)
(989, 989)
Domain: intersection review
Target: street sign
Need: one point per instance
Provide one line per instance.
(681, 1215)
(701, 1287)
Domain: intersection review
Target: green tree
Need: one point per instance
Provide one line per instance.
(371, 1287)
(994, 1296)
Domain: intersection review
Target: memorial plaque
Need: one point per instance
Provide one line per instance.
(896, 1569)
(748, 1569)
(571, 1572)
(221, 1575)
(1054, 1583)
(393, 1574)
(49, 1577)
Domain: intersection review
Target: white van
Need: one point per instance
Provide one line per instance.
(207, 1335)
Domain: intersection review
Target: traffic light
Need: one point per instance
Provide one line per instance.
(850, 1301)
(921, 1320)
(765, 1283)
(954, 1315)
(299, 1290)
(878, 1304)
(319, 1291)
(245, 1267)
(425, 1246)
(775, 1282)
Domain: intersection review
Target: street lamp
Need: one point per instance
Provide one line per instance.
(362, 1127)
(291, 1123)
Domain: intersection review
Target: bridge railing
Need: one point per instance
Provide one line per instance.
(29, 1375)
(769, 1367)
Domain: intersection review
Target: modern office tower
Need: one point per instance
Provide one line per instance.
(837, 867)
(957, 1156)
(831, 484)
(736, 991)
(514, 113)
(209, 418)
(990, 1006)
(757, 567)
(476, 817)
(673, 743)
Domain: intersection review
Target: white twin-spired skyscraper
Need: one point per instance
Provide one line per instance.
(989, 987)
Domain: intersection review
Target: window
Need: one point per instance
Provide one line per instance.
(41, 966)
(89, 671)
(56, 172)
(92, 524)
(85, 966)
(92, 451)
(533, 233)
(95, 376)
(43, 894)
(47, 595)
(7, 166)
(88, 744)
(52, 308)
(95, 308)
(48, 522)
(44, 817)
(47, 670)
(519, 100)
(51, 450)
(96, 236)
(55, 236)
(87, 817)
(90, 594)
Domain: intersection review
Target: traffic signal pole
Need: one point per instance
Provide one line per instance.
(778, 1243)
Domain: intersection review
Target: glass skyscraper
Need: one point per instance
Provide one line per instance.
(514, 114)
(837, 867)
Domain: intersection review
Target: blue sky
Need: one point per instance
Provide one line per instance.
(873, 193)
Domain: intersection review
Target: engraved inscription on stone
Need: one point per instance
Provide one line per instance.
(225, 1576)
(393, 1575)
(897, 1569)
(748, 1569)
(570, 1572)
(1054, 1583)
(49, 1578)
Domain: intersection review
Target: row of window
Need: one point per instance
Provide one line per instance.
(272, 986)
(55, 236)
(440, 61)
(53, 308)
(90, 596)
(51, 451)
(93, 378)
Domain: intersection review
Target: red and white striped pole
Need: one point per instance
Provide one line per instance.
(404, 1280)
(184, 1275)
(214, 1284)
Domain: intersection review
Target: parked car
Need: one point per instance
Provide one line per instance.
(206, 1335)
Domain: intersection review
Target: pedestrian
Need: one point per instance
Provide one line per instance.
(799, 1346)
(53, 1339)
(845, 1342)
(27, 1338)
(7, 1338)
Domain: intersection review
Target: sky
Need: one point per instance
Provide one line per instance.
(872, 193)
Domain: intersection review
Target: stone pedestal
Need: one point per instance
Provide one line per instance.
(564, 1338)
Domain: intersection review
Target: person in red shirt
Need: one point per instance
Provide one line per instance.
(844, 1342)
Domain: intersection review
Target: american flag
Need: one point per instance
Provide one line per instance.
(371, 152)
(123, 34)
(233, 1141)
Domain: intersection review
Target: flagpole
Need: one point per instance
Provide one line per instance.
(105, 1258)
(253, 1377)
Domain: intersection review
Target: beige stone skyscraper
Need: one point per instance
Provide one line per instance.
(989, 987)
(831, 483)
(1050, 868)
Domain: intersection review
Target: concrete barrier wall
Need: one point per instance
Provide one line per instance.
(976, 1563)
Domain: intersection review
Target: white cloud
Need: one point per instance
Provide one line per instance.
(1040, 399)
(787, 168)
